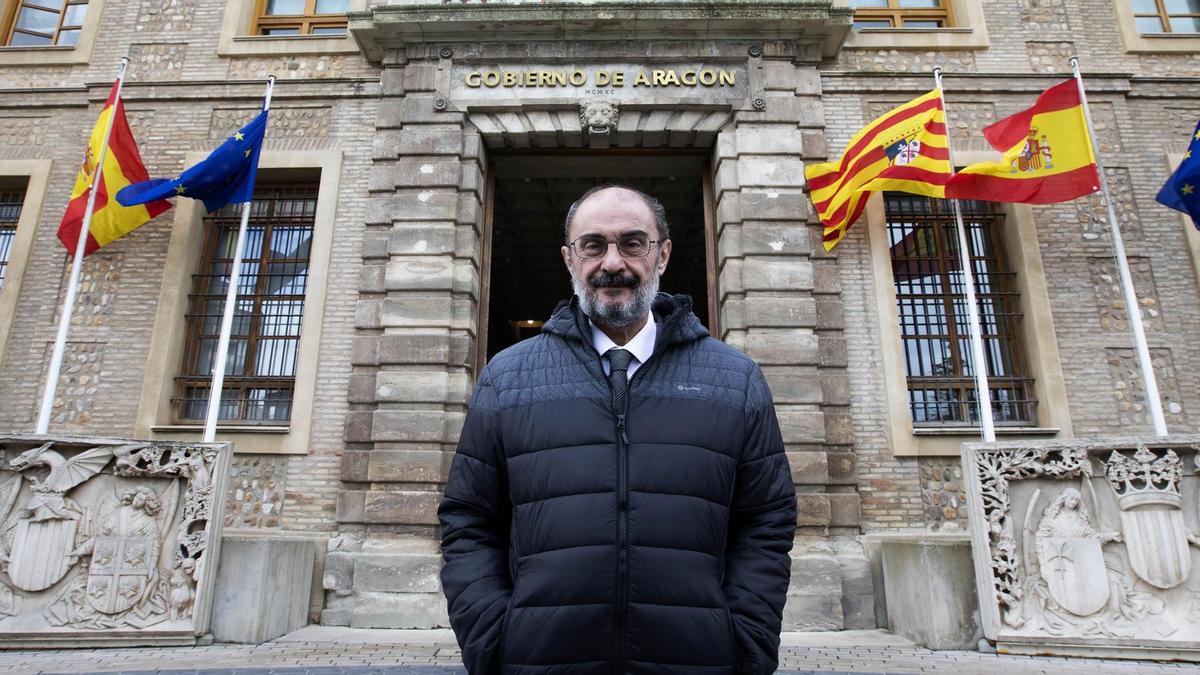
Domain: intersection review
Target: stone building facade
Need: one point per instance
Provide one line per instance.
(430, 170)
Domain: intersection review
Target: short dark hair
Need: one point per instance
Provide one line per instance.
(655, 206)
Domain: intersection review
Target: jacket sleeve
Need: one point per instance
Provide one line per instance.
(762, 523)
(475, 513)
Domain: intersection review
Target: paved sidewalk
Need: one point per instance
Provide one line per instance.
(318, 650)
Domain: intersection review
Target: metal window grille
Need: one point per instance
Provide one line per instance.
(42, 23)
(1167, 16)
(902, 13)
(301, 17)
(10, 213)
(261, 365)
(934, 331)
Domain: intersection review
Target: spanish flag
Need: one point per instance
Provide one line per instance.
(122, 166)
(904, 149)
(1048, 155)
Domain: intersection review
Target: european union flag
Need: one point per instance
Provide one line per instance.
(1182, 190)
(225, 177)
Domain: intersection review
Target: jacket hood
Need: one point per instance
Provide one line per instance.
(676, 323)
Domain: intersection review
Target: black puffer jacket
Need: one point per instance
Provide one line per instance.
(569, 549)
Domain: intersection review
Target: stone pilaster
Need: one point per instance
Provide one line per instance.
(418, 304)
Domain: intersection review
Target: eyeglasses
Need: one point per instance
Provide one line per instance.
(629, 246)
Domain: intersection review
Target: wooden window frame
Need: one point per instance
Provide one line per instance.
(269, 194)
(1164, 19)
(8, 21)
(304, 23)
(1005, 333)
(896, 15)
(12, 200)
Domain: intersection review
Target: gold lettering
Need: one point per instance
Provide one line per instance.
(726, 78)
(708, 78)
(688, 77)
(578, 78)
(510, 78)
(618, 78)
(602, 78)
(560, 79)
(659, 78)
(671, 77)
(641, 80)
(491, 78)
(472, 79)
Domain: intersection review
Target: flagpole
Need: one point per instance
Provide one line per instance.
(1132, 308)
(64, 320)
(983, 394)
(216, 388)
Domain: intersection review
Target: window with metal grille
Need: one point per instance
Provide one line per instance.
(42, 23)
(933, 316)
(301, 17)
(10, 212)
(901, 13)
(1167, 16)
(261, 366)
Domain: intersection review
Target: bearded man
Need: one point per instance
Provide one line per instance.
(620, 501)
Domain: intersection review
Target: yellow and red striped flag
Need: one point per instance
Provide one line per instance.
(1048, 155)
(904, 149)
(122, 166)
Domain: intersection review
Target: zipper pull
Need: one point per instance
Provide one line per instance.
(621, 428)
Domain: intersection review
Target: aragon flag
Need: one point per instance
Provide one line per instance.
(1048, 155)
(122, 166)
(903, 149)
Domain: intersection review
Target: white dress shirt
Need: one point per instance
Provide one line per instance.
(641, 345)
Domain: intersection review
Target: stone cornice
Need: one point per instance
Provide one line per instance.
(387, 27)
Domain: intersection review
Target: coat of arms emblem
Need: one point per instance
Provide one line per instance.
(1147, 488)
(1035, 155)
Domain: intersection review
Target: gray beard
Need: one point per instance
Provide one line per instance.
(621, 315)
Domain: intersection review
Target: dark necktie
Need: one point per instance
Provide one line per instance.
(618, 381)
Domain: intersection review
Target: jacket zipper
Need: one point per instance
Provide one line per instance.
(622, 543)
(622, 514)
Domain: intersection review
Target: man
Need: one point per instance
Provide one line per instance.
(620, 501)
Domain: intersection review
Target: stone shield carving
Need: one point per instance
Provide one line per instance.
(119, 573)
(107, 541)
(1070, 566)
(1147, 489)
(39, 556)
(1158, 546)
(1102, 566)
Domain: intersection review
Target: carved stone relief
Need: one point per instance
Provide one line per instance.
(1087, 544)
(599, 117)
(107, 540)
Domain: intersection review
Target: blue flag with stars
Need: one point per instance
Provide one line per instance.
(224, 177)
(1182, 190)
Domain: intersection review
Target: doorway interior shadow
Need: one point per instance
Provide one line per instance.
(531, 194)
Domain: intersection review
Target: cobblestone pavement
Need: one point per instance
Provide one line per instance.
(359, 653)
